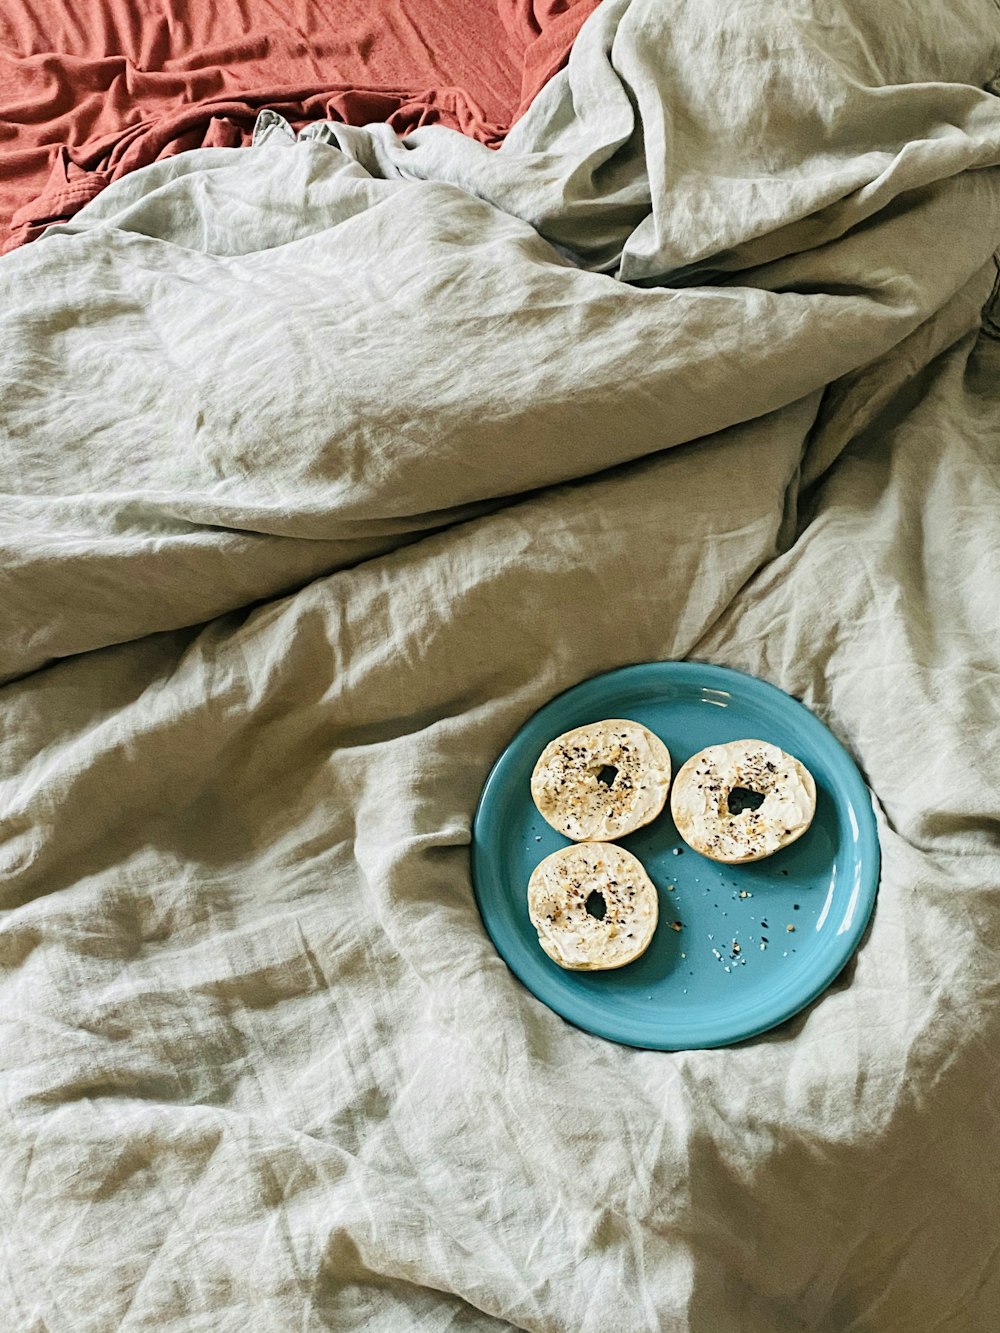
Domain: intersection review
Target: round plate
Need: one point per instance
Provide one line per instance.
(797, 916)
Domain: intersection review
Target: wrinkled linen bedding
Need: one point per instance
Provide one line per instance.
(329, 460)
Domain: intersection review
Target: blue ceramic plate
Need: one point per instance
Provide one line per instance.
(690, 988)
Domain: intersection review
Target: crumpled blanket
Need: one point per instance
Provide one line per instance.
(326, 463)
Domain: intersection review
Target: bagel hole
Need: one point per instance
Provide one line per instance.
(742, 798)
(607, 775)
(596, 906)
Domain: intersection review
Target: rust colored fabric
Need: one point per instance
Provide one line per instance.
(92, 89)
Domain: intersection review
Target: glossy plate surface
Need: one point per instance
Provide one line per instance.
(691, 988)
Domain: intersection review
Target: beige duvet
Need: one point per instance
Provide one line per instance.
(324, 465)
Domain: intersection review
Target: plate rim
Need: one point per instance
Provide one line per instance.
(860, 800)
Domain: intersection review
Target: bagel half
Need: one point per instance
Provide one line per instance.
(617, 888)
(602, 781)
(699, 801)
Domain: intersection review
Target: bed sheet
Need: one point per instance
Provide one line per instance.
(91, 91)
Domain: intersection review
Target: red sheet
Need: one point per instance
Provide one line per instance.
(92, 89)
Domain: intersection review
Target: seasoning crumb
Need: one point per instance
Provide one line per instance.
(675, 925)
(736, 946)
(789, 929)
(763, 946)
(745, 894)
